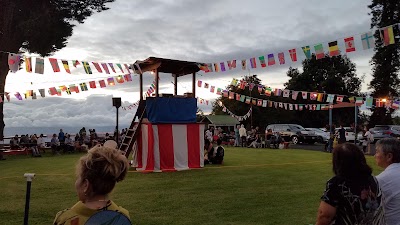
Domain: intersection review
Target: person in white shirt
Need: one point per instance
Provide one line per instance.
(387, 156)
(243, 134)
(368, 139)
(40, 143)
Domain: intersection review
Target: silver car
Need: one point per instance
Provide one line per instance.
(385, 131)
(323, 136)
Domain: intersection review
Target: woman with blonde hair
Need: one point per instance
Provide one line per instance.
(96, 175)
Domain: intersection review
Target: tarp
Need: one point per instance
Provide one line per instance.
(171, 110)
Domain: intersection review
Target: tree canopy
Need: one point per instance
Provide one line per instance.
(386, 60)
(40, 26)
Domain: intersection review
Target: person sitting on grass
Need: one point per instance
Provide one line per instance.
(97, 173)
(68, 144)
(219, 152)
(14, 143)
(256, 142)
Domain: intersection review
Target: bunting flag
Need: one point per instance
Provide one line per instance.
(97, 66)
(307, 51)
(387, 35)
(254, 101)
(293, 55)
(242, 84)
(110, 81)
(216, 67)
(319, 51)
(285, 105)
(277, 92)
(53, 91)
(18, 96)
(231, 95)
(120, 79)
(244, 66)
(280, 105)
(219, 91)
(92, 84)
(259, 102)
(379, 103)
(34, 95)
(28, 93)
(333, 48)
(83, 86)
(286, 93)
(237, 97)
(105, 68)
(260, 88)
(73, 88)
(349, 43)
(120, 67)
(232, 64)
(128, 77)
(368, 40)
(199, 83)
(359, 100)
(313, 95)
(248, 100)
(212, 89)
(262, 61)
(320, 97)
(304, 94)
(330, 98)
(265, 102)
(339, 98)
(42, 93)
(271, 60)
(66, 66)
(28, 64)
(54, 65)
(369, 101)
(63, 88)
(234, 82)
(87, 68)
(276, 104)
(68, 91)
(75, 63)
(13, 62)
(242, 98)
(222, 66)
(281, 57)
(270, 104)
(352, 99)
(395, 104)
(7, 96)
(39, 67)
(294, 95)
(324, 107)
(206, 85)
(253, 63)
(102, 83)
(210, 67)
(127, 68)
(112, 67)
(268, 91)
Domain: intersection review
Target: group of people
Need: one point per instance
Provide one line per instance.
(34, 143)
(354, 195)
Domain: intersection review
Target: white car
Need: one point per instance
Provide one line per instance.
(323, 135)
(350, 137)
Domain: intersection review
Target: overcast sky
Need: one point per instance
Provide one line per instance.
(203, 31)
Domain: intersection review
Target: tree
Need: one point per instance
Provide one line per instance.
(40, 26)
(332, 75)
(386, 60)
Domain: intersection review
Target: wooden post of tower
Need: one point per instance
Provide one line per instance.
(175, 84)
(194, 85)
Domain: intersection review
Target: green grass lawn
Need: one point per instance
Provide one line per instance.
(254, 186)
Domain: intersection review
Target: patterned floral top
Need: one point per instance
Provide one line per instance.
(355, 203)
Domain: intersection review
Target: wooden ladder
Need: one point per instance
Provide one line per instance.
(133, 132)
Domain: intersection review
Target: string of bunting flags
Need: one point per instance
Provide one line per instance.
(37, 65)
(389, 35)
(151, 89)
(84, 86)
(295, 95)
(240, 118)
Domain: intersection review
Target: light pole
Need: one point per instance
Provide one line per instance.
(117, 103)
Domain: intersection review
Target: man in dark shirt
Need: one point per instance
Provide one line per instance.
(342, 135)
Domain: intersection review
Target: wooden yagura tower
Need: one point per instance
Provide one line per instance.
(164, 134)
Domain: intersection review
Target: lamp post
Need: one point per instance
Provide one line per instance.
(117, 103)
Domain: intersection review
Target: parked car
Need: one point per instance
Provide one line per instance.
(323, 136)
(385, 131)
(349, 133)
(294, 133)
